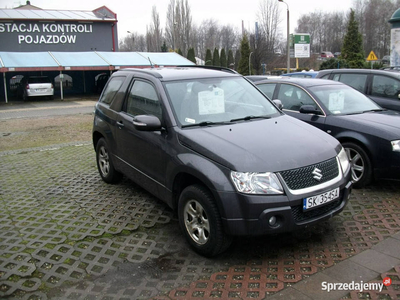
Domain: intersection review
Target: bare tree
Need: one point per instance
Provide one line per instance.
(209, 32)
(269, 21)
(228, 37)
(154, 33)
(373, 16)
(133, 42)
(326, 30)
(179, 25)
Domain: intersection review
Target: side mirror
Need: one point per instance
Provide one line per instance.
(309, 109)
(278, 103)
(147, 123)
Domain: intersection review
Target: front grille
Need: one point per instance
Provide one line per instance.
(303, 178)
(299, 215)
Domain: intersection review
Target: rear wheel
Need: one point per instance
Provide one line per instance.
(201, 222)
(361, 168)
(105, 164)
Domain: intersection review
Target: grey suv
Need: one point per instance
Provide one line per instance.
(219, 152)
(381, 86)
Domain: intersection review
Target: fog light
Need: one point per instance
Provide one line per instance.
(272, 221)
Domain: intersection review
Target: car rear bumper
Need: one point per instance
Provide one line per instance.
(288, 218)
(39, 92)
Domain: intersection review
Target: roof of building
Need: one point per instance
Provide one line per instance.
(31, 12)
(96, 60)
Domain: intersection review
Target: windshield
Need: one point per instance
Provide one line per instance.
(217, 100)
(342, 99)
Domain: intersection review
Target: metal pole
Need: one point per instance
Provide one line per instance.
(61, 85)
(5, 86)
(288, 42)
(249, 63)
(288, 37)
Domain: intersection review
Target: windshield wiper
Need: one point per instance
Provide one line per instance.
(247, 118)
(372, 110)
(207, 123)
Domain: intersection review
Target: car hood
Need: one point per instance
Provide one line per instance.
(385, 124)
(271, 145)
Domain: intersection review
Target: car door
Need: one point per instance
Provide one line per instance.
(293, 97)
(142, 152)
(385, 91)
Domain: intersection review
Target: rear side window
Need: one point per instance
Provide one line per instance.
(268, 89)
(357, 81)
(387, 87)
(143, 100)
(111, 90)
(38, 80)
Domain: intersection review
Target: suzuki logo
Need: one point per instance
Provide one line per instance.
(317, 174)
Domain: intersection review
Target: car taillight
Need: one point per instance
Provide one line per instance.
(52, 86)
(27, 86)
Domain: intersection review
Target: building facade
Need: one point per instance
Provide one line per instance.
(30, 29)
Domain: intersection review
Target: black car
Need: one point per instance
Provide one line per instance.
(381, 86)
(219, 152)
(369, 133)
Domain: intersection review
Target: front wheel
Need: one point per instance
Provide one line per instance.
(361, 167)
(201, 222)
(105, 164)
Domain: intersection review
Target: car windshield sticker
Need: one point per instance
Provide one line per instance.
(211, 102)
(189, 120)
(336, 102)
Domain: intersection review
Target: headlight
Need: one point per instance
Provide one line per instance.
(257, 183)
(396, 146)
(344, 160)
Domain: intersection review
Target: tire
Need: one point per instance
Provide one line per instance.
(360, 164)
(201, 222)
(105, 164)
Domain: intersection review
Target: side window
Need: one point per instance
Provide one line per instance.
(267, 89)
(383, 86)
(111, 90)
(143, 100)
(357, 81)
(293, 97)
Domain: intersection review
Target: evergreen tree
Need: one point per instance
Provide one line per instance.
(231, 60)
(180, 52)
(352, 50)
(243, 66)
(209, 60)
(216, 60)
(164, 47)
(222, 58)
(191, 56)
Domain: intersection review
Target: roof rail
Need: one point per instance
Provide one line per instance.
(209, 67)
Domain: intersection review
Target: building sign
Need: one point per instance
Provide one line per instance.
(55, 36)
(45, 33)
(301, 43)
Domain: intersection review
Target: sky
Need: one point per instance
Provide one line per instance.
(135, 15)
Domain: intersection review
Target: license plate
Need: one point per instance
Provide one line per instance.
(40, 90)
(320, 199)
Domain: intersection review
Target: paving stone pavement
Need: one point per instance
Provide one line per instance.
(65, 234)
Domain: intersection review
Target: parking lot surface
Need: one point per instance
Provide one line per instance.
(65, 234)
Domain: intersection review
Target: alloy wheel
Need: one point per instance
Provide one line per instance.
(356, 163)
(196, 222)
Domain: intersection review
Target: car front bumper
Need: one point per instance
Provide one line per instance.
(289, 214)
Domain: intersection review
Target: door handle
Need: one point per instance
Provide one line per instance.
(120, 124)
